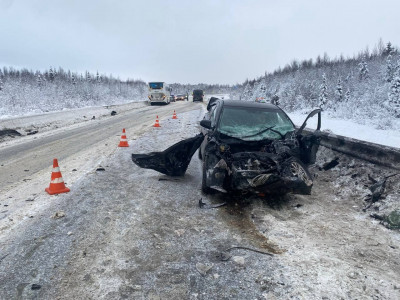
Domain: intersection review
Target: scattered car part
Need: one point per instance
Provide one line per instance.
(172, 161)
(204, 205)
(225, 256)
(9, 132)
(330, 164)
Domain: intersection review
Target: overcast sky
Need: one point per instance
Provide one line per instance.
(186, 41)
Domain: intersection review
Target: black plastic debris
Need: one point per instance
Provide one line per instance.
(32, 132)
(168, 179)
(373, 180)
(330, 164)
(205, 205)
(100, 169)
(377, 190)
(9, 132)
(113, 113)
(172, 161)
(36, 286)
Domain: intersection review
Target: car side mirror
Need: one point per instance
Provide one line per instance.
(206, 124)
(312, 114)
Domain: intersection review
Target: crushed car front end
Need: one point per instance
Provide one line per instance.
(273, 168)
(255, 148)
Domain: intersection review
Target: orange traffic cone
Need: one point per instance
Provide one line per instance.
(57, 185)
(174, 115)
(157, 123)
(123, 142)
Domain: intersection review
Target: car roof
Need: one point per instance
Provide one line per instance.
(240, 103)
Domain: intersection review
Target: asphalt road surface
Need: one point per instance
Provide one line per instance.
(131, 233)
(22, 160)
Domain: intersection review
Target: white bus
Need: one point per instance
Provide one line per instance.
(159, 92)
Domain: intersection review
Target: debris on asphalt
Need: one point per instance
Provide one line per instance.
(58, 215)
(9, 132)
(244, 248)
(373, 180)
(203, 268)
(377, 190)
(173, 161)
(113, 113)
(205, 205)
(238, 260)
(100, 169)
(330, 164)
(393, 219)
(168, 179)
(32, 132)
(36, 286)
(4, 256)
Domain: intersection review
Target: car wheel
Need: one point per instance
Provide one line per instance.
(299, 170)
(295, 168)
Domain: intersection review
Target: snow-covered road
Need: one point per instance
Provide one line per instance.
(131, 233)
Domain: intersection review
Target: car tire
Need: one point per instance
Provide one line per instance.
(294, 167)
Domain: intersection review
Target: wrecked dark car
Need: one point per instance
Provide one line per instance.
(252, 147)
(244, 147)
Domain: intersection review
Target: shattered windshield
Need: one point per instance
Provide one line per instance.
(254, 124)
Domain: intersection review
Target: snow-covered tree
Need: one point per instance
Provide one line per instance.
(51, 74)
(347, 96)
(390, 69)
(363, 72)
(339, 90)
(1, 84)
(323, 93)
(88, 77)
(389, 49)
(98, 77)
(394, 96)
(73, 79)
(39, 79)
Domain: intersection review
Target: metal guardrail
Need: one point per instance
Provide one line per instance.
(371, 152)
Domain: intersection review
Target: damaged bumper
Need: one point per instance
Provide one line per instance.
(260, 173)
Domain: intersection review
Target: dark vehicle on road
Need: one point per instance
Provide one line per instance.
(244, 147)
(253, 147)
(172, 98)
(198, 95)
(180, 97)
